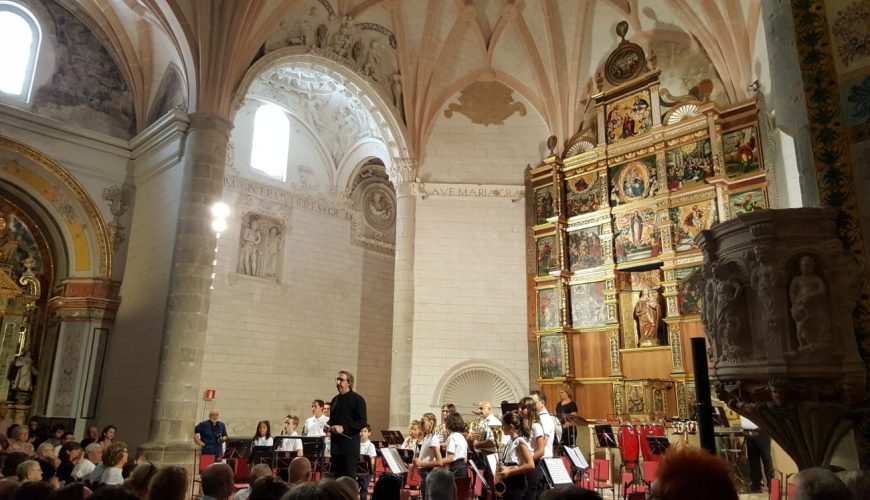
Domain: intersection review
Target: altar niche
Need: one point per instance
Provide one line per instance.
(641, 309)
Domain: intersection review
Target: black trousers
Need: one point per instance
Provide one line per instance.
(758, 449)
(344, 465)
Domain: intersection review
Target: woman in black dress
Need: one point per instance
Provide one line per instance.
(567, 406)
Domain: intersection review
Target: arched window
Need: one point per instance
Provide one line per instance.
(271, 141)
(20, 37)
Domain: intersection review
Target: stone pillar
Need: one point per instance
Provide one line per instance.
(403, 176)
(174, 414)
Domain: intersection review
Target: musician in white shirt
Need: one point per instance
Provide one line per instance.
(430, 450)
(547, 421)
(457, 446)
(291, 445)
(316, 422)
(516, 460)
(263, 436)
(366, 449)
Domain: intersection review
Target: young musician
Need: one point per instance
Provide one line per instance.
(366, 449)
(263, 436)
(290, 423)
(538, 441)
(457, 446)
(516, 460)
(430, 449)
(415, 437)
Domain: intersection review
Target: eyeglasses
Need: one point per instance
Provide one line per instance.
(339, 379)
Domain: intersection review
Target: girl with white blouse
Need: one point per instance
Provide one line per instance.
(516, 460)
(457, 446)
(430, 449)
(415, 435)
(537, 443)
(263, 436)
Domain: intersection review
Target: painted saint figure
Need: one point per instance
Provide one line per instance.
(648, 315)
(809, 306)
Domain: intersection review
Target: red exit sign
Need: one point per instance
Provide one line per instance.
(209, 395)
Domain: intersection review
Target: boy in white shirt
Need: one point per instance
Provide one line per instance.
(290, 424)
(366, 449)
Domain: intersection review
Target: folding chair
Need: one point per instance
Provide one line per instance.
(601, 476)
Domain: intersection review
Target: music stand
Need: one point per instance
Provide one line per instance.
(312, 449)
(604, 434)
(237, 448)
(393, 438)
(658, 445)
(556, 473)
(394, 460)
(260, 454)
(577, 459)
(720, 419)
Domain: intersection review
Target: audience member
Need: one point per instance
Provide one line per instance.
(350, 485)
(10, 465)
(818, 483)
(35, 431)
(388, 487)
(4, 443)
(8, 487)
(29, 471)
(257, 471)
(72, 491)
(858, 483)
(217, 482)
(114, 459)
(56, 437)
(70, 455)
(268, 488)
(299, 471)
(108, 436)
(91, 436)
(334, 489)
(114, 493)
(440, 485)
(570, 493)
(693, 473)
(304, 491)
(49, 462)
(21, 441)
(93, 456)
(5, 421)
(168, 483)
(36, 490)
(140, 478)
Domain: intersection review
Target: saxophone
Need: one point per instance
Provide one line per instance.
(499, 488)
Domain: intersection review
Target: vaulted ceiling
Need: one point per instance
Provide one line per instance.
(549, 51)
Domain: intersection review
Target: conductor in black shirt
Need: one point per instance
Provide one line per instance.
(347, 418)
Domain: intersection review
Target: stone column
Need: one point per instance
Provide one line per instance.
(403, 176)
(174, 414)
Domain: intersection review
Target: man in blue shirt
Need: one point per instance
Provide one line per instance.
(211, 434)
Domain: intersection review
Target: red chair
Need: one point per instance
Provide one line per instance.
(775, 489)
(463, 488)
(632, 485)
(205, 461)
(601, 476)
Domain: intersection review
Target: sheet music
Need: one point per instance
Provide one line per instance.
(394, 462)
(477, 472)
(577, 457)
(558, 473)
(492, 462)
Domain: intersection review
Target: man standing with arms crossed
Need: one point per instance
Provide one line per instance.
(347, 417)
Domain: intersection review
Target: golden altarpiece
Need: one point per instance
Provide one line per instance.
(615, 282)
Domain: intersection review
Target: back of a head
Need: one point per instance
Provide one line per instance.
(440, 485)
(388, 487)
(258, 471)
(350, 485)
(37, 490)
(820, 484)
(332, 489)
(168, 483)
(857, 481)
(72, 491)
(13, 460)
(113, 493)
(217, 481)
(8, 487)
(686, 472)
(303, 491)
(140, 478)
(268, 488)
(570, 493)
(299, 470)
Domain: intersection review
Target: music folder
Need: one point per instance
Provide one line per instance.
(558, 474)
(604, 434)
(577, 458)
(393, 460)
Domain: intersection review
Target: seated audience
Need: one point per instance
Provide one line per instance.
(570, 493)
(338, 489)
(299, 471)
(440, 485)
(56, 437)
(8, 487)
(217, 482)
(304, 491)
(35, 431)
(268, 488)
(388, 487)
(35, 490)
(21, 441)
(93, 456)
(10, 465)
(5, 421)
(29, 471)
(168, 483)
(257, 471)
(91, 436)
(350, 485)
(857, 481)
(70, 455)
(114, 459)
(818, 483)
(4, 442)
(140, 478)
(114, 493)
(72, 491)
(693, 473)
(49, 462)
(108, 436)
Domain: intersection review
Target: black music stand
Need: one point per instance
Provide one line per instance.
(237, 448)
(604, 434)
(313, 448)
(261, 454)
(407, 456)
(393, 438)
(658, 445)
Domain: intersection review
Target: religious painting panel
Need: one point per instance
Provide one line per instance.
(548, 308)
(261, 243)
(585, 248)
(741, 151)
(546, 255)
(747, 201)
(689, 164)
(633, 181)
(690, 289)
(689, 220)
(583, 193)
(587, 305)
(635, 403)
(636, 236)
(543, 204)
(629, 117)
(551, 350)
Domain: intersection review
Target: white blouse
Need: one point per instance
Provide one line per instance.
(457, 445)
(427, 450)
(263, 441)
(510, 455)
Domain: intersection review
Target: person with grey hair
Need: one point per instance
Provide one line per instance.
(93, 456)
(440, 485)
(257, 471)
(28, 471)
(820, 484)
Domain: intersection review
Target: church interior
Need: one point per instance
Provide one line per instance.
(220, 204)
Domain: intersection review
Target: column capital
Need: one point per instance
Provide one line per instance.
(402, 170)
(209, 121)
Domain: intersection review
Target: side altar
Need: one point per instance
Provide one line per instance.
(615, 277)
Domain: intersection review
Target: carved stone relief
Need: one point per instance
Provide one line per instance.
(486, 103)
(261, 246)
(372, 194)
(118, 198)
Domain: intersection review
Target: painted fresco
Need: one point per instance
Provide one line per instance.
(546, 255)
(746, 201)
(587, 305)
(689, 164)
(636, 236)
(629, 117)
(583, 193)
(741, 152)
(548, 309)
(690, 289)
(552, 364)
(688, 222)
(543, 204)
(633, 181)
(585, 249)
(855, 100)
